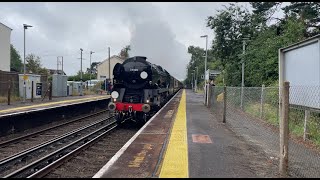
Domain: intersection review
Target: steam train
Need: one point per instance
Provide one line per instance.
(140, 88)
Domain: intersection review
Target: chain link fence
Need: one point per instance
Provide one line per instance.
(253, 113)
(12, 89)
(304, 128)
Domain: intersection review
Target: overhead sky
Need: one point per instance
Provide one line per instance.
(161, 31)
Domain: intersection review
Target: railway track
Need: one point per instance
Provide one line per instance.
(87, 162)
(88, 154)
(33, 138)
(17, 165)
(41, 131)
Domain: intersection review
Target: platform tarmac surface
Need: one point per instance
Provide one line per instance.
(197, 146)
(214, 150)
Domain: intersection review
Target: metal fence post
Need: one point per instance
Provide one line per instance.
(284, 130)
(32, 91)
(208, 88)
(206, 96)
(50, 91)
(224, 104)
(305, 128)
(209, 96)
(9, 92)
(262, 101)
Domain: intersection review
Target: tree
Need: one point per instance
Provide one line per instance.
(15, 60)
(233, 23)
(34, 65)
(264, 10)
(198, 60)
(308, 12)
(124, 53)
(85, 77)
(230, 26)
(94, 66)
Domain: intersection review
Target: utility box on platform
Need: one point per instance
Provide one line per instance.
(59, 85)
(29, 78)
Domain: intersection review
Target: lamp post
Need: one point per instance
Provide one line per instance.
(192, 80)
(242, 76)
(25, 26)
(81, 72)
(205, 63)
(196, 83)
(91, 52)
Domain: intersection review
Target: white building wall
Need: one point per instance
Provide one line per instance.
(103, 68)
(5, 33)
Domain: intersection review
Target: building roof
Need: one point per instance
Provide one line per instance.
(302, 43)
(114, 56)
(6, 26)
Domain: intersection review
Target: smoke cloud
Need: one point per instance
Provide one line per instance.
(155, 40)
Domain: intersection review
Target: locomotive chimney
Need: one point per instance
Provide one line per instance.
(139, 57)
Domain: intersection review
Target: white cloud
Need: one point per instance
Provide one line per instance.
(160, 30)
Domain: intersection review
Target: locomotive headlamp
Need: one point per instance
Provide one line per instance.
(114, 94)
(143, 75)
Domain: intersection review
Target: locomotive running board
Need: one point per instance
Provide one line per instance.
(163, 90)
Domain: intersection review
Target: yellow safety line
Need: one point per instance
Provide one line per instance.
(51, 103)
(175, 163)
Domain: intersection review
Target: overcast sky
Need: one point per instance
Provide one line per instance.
(161, 31)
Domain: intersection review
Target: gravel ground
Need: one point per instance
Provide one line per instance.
(11, 149)
(89, 161)
(33, 141)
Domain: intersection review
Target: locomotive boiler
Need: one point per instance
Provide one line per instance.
(140, 88)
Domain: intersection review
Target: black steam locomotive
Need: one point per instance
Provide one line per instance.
(140, 89)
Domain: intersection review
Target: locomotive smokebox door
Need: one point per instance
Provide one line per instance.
(38, 89)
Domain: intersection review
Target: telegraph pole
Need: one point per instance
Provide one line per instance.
(109, 64)
(24, 65)
(242, 78)
(90, 66)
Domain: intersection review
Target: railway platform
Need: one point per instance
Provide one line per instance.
(183, 140)
(19, 116)
(38, 105)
